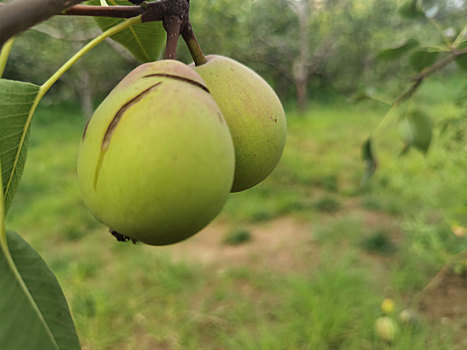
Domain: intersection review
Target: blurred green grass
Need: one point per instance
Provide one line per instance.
(389, 238)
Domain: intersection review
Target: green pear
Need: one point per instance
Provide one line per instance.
(254, 114)
(408, 317)
(156, 161)
(386, 328)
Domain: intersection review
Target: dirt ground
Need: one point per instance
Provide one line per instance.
(287, 244)
(278, 244)
(445, 299)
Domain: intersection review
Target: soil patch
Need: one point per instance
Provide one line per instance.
(284, 244)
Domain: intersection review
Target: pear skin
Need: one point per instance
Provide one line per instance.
(156, 161)
(254, 114)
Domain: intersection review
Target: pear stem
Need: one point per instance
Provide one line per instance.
(193, 45)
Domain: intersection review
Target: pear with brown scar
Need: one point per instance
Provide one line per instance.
(156, 161)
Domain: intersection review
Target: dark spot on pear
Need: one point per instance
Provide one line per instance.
(122, 238)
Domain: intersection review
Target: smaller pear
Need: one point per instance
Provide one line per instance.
(254, 114)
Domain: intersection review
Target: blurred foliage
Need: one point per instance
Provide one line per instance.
(330, 298)
(379, 242)
(344, 37)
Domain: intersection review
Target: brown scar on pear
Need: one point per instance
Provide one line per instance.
(176, 77)
(118, 116)
(113, 125)
(120, 112)
(86, 128)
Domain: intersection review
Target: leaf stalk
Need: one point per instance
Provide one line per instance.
(4, 53)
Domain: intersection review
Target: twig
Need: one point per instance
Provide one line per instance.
(103, 11)
(418, 80)
(193, 45)
(173, 13)
(172, 25)
(153, 11)
(176, 18)
(20, 15)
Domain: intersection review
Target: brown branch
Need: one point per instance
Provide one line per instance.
(19, 15)
(104, 11)
(172, 25)
(418, 80)
(153, 11)
(176, 14)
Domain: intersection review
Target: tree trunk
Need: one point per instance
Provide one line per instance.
(301, 64)
(85, 93)
(301, 87)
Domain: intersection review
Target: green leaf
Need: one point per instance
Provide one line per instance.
(370, 160)
(461, 61)
(422, 58)
(397, 51)
(16, 104)
(411, 9)
(417, 131)
(34, 314)
(144, 41)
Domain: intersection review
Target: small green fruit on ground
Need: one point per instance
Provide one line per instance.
(408, 317)
(387, 306)
(254, 114)
(156, 162)
(386, 328)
